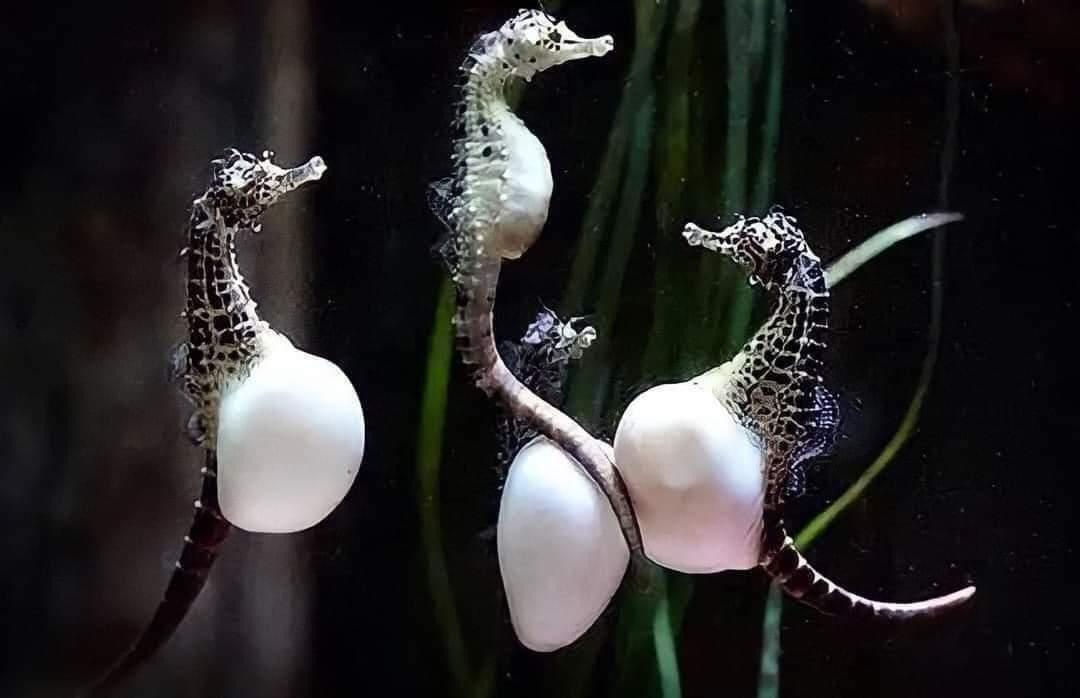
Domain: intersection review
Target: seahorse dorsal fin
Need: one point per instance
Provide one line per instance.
(440, 199)
(178, 361)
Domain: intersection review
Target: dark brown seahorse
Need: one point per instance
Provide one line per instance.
(541, 361)
(774, 387)
(223, 341)
(495, 205)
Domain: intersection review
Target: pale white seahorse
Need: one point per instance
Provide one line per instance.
(496, 202)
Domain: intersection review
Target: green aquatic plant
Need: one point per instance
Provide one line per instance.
(611, 220)
(430, 436)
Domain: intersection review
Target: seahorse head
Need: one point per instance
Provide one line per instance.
(533, 41)
(768, 248)
(244, 186)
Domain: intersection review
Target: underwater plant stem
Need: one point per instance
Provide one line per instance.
(879, 243)
(428, 467)
(737, 21)
(739, 29)
(769, 671)
(834, 274)
(770, 129)
(667, 660)
(589, 388)
(638, 87)
(883, 240)
(744, 28)
(742, 301)
(672, 184)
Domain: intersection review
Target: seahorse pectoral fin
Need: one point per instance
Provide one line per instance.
(196, 428)
(798, 578)
(208, 531)
(440, 200)
(178, 361)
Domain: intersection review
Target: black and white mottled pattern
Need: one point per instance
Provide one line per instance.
(223, 325)
(540, 361)
(774, 384)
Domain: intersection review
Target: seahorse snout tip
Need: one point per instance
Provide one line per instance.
(693, 233)
(603, 45)
(575, 47)
(310, 171)
(316, 166)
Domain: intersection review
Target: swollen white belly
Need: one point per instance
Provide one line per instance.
(526, 190)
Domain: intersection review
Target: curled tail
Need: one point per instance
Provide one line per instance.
(208, 531)
(798, 578)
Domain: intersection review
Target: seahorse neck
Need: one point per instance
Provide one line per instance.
(216, 284)
(223, 325)
(791, 342)
(774, 385)
(481, 150)
(486, 73)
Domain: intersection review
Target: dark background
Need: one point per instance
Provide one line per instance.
(110, 114)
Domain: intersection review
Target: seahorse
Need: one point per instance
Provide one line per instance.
(226, 339)
(775, 389)
(495, 206)
(497, 200)
(541, 361)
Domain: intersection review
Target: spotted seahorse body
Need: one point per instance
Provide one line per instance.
(496, 203)
(225, 340)
(774, 387)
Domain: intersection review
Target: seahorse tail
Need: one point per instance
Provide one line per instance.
(208, 531)
(474, 318)
(798, 578)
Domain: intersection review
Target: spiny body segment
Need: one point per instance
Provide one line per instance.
(774, 385)
(224, 330)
